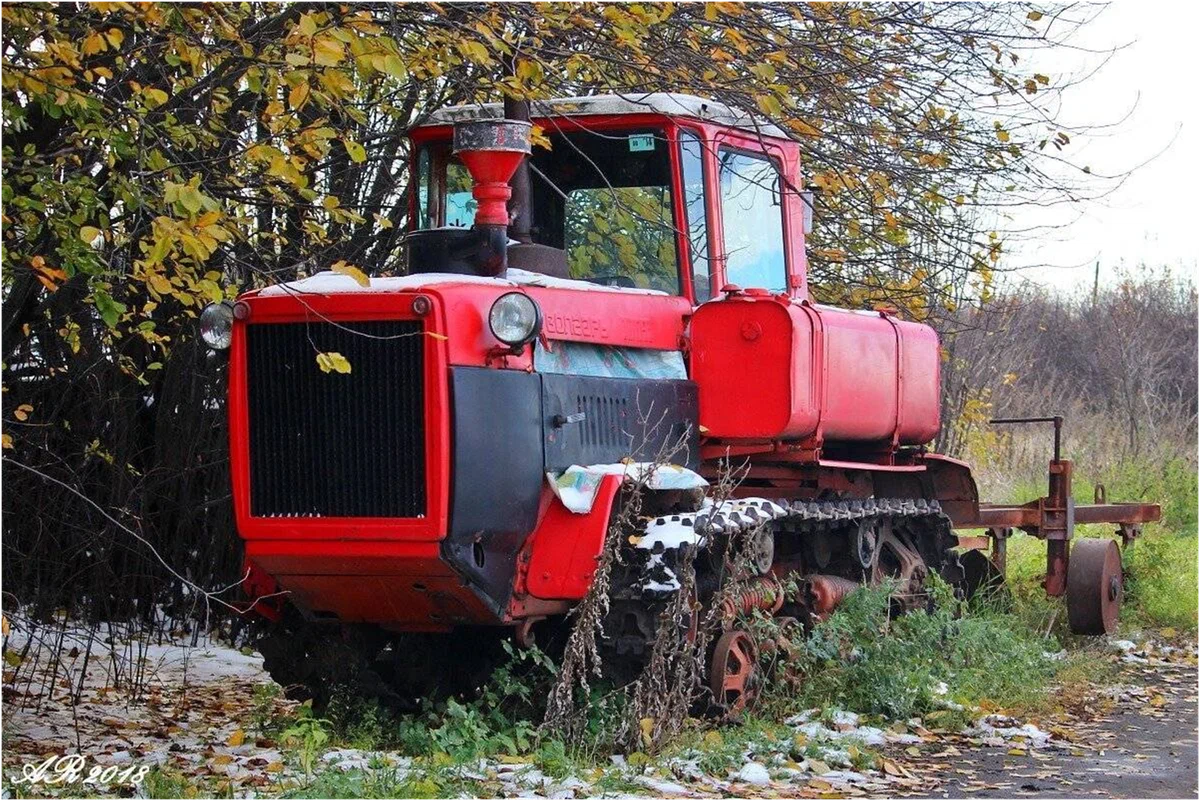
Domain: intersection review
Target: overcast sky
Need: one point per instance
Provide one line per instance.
(1154, 217)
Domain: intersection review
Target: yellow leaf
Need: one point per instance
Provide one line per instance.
(22, 412)
(154, 97)
(115, 36)
(236, 739)
(94, 44)
(356, 151)
(298, 95)
(4, 620)
(308, 24)
(222, 759)
(6, 440)
(1034, 15)
(342, 268)
(88, 233)
(339, 362)
(160, 284)
(647, 727)
(474, 51)
(1002, 135)
(769, 104)
(333, 362)
(327, 51)
(274, 767)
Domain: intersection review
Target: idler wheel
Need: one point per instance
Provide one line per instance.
(731, 673)
(1094, 587)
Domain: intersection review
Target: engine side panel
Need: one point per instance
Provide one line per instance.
(622, 417)
(498, 475)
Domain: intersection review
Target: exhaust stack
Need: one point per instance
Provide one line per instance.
(491, 150)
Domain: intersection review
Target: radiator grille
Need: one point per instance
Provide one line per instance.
(332, 444)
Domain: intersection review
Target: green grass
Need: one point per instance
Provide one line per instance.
(1160, 588)
(864, 659)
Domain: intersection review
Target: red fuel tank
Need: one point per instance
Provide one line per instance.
(773, 368)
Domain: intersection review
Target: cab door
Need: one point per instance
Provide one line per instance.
(757, 214)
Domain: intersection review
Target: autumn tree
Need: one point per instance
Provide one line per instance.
(161, 156)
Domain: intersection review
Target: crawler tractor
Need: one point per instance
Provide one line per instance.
(436, 457)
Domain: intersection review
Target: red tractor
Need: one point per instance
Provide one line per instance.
(420, 460)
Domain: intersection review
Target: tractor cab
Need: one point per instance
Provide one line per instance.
(663, 192)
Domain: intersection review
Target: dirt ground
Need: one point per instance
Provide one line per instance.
(196, 718)
(1137, 742)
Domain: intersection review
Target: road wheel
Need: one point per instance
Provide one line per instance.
(732, 672)
(1094, 588)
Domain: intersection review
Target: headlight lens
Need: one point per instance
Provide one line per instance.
(216, 325)
(515, 319)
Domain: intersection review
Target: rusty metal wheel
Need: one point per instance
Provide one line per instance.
(1094, 588)
(983, 580)
(731, 673)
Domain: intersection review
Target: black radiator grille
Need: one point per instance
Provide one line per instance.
(334, 444)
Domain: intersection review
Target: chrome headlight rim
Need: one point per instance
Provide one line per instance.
(521, 304)
(216, 325)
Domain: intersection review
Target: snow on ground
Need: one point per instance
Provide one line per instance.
(188, 712)
(195, 709)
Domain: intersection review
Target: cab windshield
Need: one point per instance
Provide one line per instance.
(600, 197)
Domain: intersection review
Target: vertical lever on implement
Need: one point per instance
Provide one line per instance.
(1056, 419)
(1057, 509)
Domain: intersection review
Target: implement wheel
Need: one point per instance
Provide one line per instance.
(1094, 588)
(731, 673)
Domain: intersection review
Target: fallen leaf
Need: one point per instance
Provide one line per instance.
(236, 739)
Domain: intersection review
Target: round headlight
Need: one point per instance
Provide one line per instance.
(515, 319)
(216, 325)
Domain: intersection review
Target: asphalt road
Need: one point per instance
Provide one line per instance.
(1142, 745)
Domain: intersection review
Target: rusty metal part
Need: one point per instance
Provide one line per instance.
(980, 575)
(763, 593)
(1094, 588)
(524, 632)
(898, 559)
(823, 594)
(1028, 517)
(1056, 419)
(1000, 547)
(731, 672)
(979, 543)
(1128, 533)
(492, 135)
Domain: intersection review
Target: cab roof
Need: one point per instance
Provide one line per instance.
(668, 103)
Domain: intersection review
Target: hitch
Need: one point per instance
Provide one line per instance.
(1091, 581)
(1056, 509)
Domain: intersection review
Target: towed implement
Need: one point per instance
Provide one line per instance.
(425, 463)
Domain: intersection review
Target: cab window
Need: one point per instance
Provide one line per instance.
(602, 198)
(691, 159)
(752, 221)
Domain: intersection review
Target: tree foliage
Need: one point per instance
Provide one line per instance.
(161, 156)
